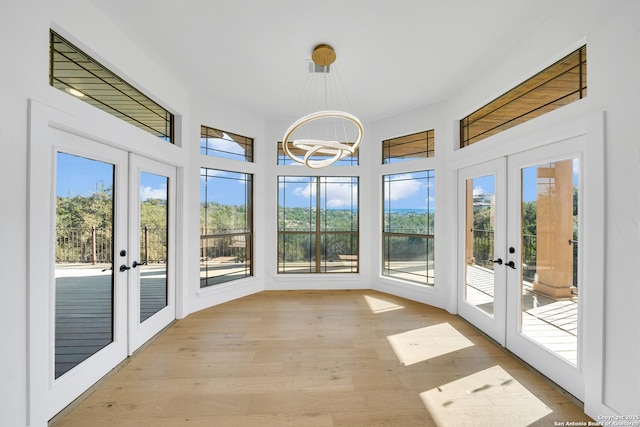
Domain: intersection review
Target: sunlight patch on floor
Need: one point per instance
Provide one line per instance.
(488, 397)
(425, 343)
(378, 305)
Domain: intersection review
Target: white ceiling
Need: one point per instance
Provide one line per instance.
(393, 55)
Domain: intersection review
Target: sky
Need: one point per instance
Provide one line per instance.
(485, 184)
(79, 176)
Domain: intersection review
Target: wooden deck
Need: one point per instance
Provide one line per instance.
(84, 308)
(322, 358)
(552, 323)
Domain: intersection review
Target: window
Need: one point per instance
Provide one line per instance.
(560, 84)
(226, 226)
(283, 159)
(317, 224)
(214, 142)
(76, 73)
(408, 231)
(409, 147)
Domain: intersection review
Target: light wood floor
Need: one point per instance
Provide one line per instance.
(322, 358)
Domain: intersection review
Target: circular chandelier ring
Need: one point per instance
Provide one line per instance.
(339, 150)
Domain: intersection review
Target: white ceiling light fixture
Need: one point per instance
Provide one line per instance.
(334, 138)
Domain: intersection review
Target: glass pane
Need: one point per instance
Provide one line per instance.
(408, 234)
(224, 258)
(296, 253)
(154, 221)
(339, 204)
(225, 226)
(409, 258)
(339, 253)
(317, 240)
(84, 257)
(559, 84)
(549, 258)
(409, 203)
(76, 73)
(283, 159)
(409, 147)
(479, 242)
(218, 143)
(297, 203)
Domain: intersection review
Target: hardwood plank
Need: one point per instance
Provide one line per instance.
(322, 358)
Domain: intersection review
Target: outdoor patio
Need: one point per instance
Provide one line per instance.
(550, 322)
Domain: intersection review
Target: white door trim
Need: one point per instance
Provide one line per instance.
(83, 121)
(560, 125)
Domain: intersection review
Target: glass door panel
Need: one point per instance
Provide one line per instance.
(479, 243)
(152, 256)
(482, 246)
(84, 281)
(154, 223)
(543, 260)
(549, 256)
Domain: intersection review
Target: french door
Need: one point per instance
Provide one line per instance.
(111, 285)
(520, 257)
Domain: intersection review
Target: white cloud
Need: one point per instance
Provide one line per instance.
(225, 144)
(340, 193)
(478, 190)
(307, 192)
(402, 187)
(153, 193)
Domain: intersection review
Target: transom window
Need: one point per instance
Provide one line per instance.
(408, 235)
(226, 226)
(283, 159)
(418, 145)
(218, 143)
(73, 71)
(559, 84)
(317, 224)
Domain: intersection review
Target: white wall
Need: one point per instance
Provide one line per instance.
(24, 74)
(213, 114)
(427, 118)
(610, 28)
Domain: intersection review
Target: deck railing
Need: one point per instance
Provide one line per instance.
(483, 250)
(95, 245)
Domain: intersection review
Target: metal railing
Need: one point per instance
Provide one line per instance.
(483, 253)
(225, 257)
(95, 245)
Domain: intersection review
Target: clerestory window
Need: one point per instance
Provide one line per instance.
(73, 71)
(415, 146)
(558, 85)
(218, 143)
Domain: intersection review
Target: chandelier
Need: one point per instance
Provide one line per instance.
(329, 142)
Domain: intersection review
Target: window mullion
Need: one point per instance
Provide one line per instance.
(318, 224)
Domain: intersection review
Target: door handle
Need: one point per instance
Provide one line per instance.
(124, 268)
(510, 264)
(134, 264)
(496, 261)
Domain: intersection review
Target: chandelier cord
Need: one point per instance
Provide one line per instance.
(324, 149)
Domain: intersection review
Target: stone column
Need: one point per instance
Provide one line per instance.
(468, 244)
(554, 230)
